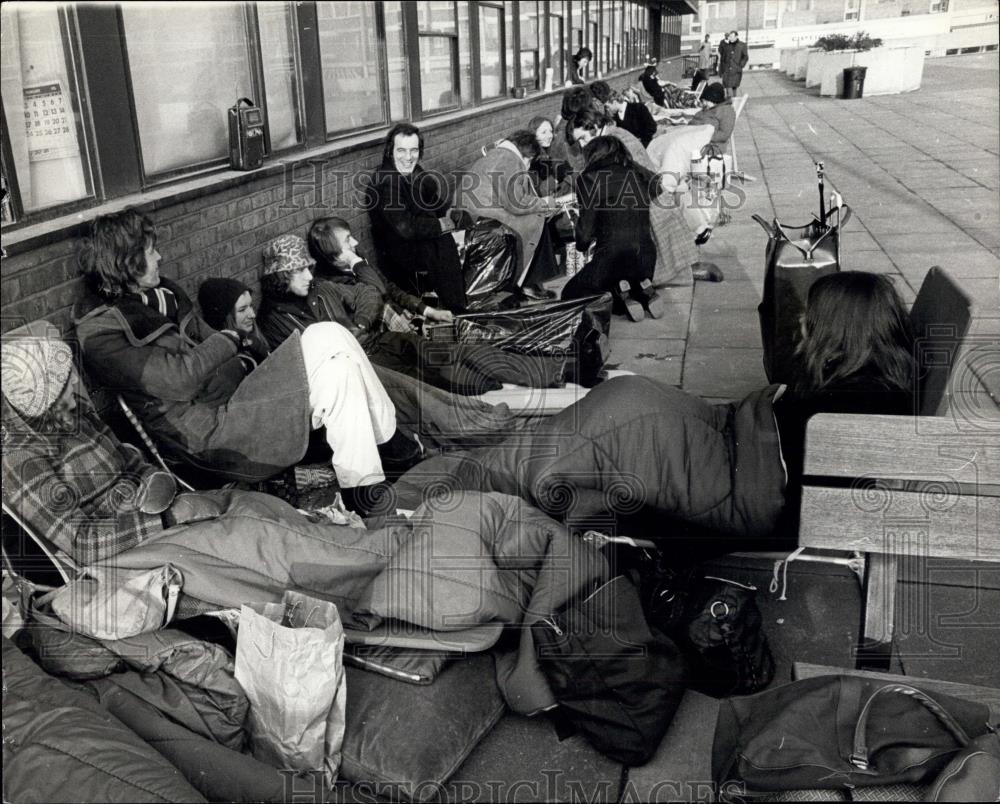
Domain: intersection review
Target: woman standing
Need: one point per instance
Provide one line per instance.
(614, 197)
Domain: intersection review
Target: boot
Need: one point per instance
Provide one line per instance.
(648, 298)
(399, 453)
(378, 499)
(622, 293)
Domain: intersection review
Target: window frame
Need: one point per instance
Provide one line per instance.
(476, 50)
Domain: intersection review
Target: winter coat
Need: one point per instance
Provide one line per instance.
(635, 444)
(61, 744)
(406, 229)
(502, 189)
(186, 384)
(704, 56)
(364, 273)
(638, 122)
(722, 117)
(733, 57)
(675, 250)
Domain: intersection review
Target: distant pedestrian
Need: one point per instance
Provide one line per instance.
(704, 63)
(733, 57)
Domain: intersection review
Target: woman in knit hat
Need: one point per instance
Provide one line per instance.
(141, 338)
(228, 304)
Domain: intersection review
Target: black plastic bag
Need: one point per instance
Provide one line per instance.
(577, 328)
(490, 258)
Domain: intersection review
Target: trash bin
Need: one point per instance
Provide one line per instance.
(854, 82)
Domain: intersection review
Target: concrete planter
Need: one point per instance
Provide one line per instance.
(891, 70)
(801, 62)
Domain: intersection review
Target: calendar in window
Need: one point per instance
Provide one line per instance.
(49, 123)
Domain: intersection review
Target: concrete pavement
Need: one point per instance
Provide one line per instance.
(920, 172)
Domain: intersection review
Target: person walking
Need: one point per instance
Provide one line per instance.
(704, 63)
(733, 57)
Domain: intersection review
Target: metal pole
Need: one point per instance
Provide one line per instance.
(747, 40)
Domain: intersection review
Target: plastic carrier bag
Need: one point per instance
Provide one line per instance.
(290, 663)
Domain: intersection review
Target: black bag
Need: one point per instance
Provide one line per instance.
(490, 258)
(577, 328)
(616, 682)
(840, 733)
(717, 624)
(796, 256)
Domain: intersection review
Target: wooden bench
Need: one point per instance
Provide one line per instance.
(899, 488)
(907, 488)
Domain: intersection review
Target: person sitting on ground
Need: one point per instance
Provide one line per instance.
(578, 70)
(614, 195)
(552, 177)
(142, 339)
(650, 80)
(293, 303)
(660, 460)
(227, 304)
(677, 260)
(502, 189)
(411, 226)
(462, 367)
(386, 301)
(564, 148)
(632, 117)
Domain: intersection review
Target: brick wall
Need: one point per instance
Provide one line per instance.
(213, 231)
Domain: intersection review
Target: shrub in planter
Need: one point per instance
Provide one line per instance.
(860, 41)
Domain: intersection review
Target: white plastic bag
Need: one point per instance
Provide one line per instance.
(290, 663)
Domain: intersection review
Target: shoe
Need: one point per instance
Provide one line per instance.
(706, 272)
(630, 306)
(399, 454)
(378, 499)
(649, 299)
(537, 293)
(703, 236)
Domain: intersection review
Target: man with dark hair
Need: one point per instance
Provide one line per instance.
(564, 148)
(633, 117)
(733, 57)
(410, 222)
(502, 188)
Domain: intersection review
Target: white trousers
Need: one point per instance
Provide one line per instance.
(348, 400)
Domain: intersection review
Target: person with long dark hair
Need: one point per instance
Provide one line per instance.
(581, 60)
(411, 227)
(635, 447)
(614, 198)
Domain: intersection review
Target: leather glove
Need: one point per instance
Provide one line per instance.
(156, 492)
(191, 507)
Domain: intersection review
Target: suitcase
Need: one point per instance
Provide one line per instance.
(796, 256)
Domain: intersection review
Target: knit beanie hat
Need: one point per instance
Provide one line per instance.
(217, 298)
(287, 253)
(34, 372)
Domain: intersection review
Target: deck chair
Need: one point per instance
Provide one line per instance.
(738, 103)
(148, 442)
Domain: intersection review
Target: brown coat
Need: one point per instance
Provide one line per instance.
(498, 186)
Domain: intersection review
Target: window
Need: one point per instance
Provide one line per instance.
(465, 54)
(182, 85)
(939, 6)
(770, 13)
(42, 103)
(396, 63)
(695, 24)
(279, 64)
(491, 47)
(353, 82)
(851, 10)
(712, 11)
(557, 56)
(529, 43)
(438, 33)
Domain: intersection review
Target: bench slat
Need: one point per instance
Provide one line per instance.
(902, 447)
(909, 524)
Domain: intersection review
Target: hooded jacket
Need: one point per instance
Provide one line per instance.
(187, 385)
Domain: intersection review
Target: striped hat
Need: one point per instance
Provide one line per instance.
(287, 253)
(34, 372)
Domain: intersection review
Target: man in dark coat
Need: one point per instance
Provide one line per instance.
(733, 57)
(410, 223)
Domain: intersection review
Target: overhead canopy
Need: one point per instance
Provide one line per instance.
(677, 7)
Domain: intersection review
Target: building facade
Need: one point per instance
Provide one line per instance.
(112, 105)
(941, 27)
